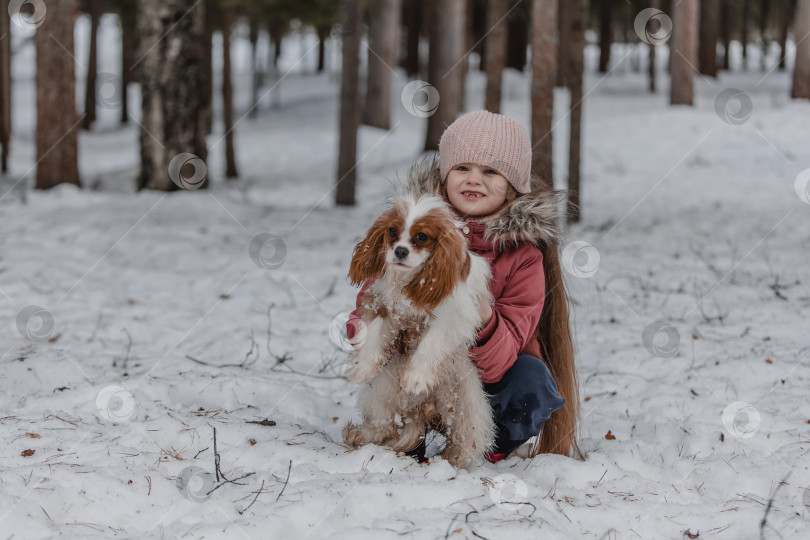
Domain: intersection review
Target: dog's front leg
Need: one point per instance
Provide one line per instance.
(439, 342)
(365, 363)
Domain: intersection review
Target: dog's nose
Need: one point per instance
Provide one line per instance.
(401, 252)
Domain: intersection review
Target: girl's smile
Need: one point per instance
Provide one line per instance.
(475, 190)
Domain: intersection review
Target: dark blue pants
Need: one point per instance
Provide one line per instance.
(521, 401)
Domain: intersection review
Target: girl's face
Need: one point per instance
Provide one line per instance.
(475, 190)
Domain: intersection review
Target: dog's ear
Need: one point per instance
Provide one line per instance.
(448, 264)
(368, 258)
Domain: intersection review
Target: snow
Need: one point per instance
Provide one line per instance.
(691, 331)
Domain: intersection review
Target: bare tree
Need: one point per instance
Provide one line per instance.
(605, 34)
(413, 21)
(684, 51)
(94, 7)
(57, 120)
(5, 85)
(764, 11)
(544, 78)
(564, 32)
(725, 30)
(383, 41)
(447, 23)
(170, 71)
(785, 11)
(709, 28)
(495, 52)
(128, 15)
(577, 23)
(801, 67)
(351, 32)
(227, 93)
(746, 17)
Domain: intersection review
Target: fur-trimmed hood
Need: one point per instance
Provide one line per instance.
(532, 217)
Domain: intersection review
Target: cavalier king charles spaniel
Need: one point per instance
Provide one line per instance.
(418, 320)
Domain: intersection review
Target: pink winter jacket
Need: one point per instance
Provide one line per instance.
(510, 243)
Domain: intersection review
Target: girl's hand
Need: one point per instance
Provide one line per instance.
(484, 310)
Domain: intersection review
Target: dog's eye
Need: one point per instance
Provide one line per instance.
(392, 232)
(421, 237)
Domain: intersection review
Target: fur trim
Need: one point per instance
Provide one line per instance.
(531, 217)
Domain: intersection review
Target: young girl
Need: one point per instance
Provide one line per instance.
(524, 351)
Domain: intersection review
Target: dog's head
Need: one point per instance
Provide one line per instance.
(417, 241)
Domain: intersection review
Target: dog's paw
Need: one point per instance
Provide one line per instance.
(353, 435)
(360, 372)
(459, 457)
(412, 382)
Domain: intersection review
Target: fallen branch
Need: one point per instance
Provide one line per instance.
(254, 499)
(770, 504)
(285, 482)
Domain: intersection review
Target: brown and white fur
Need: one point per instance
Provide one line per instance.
(420, 317)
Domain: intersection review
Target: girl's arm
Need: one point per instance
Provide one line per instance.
(514, 317)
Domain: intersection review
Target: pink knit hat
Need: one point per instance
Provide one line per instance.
(492, 140)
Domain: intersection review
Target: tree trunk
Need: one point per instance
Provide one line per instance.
(784, 24)
(801, 68)
(351, 24)
(517, 42)
(544, 78)
(746, 15)
(5, 86)
(765, 8)
(413, 20)
(709, 26)
(447, 27)
(383, 40)
(276, 48)
(323, 33)
(227, 94)
(171, 73)
(92, 66)
(725, 30)
(129, 45)
(605, 34)
(255, 79)
(496, 52)
(651, 63)
(57, 122)
(577, 22)
(564, 22)
(684, 51)
(207, 69)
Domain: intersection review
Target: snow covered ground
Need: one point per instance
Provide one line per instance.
(691, 307)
